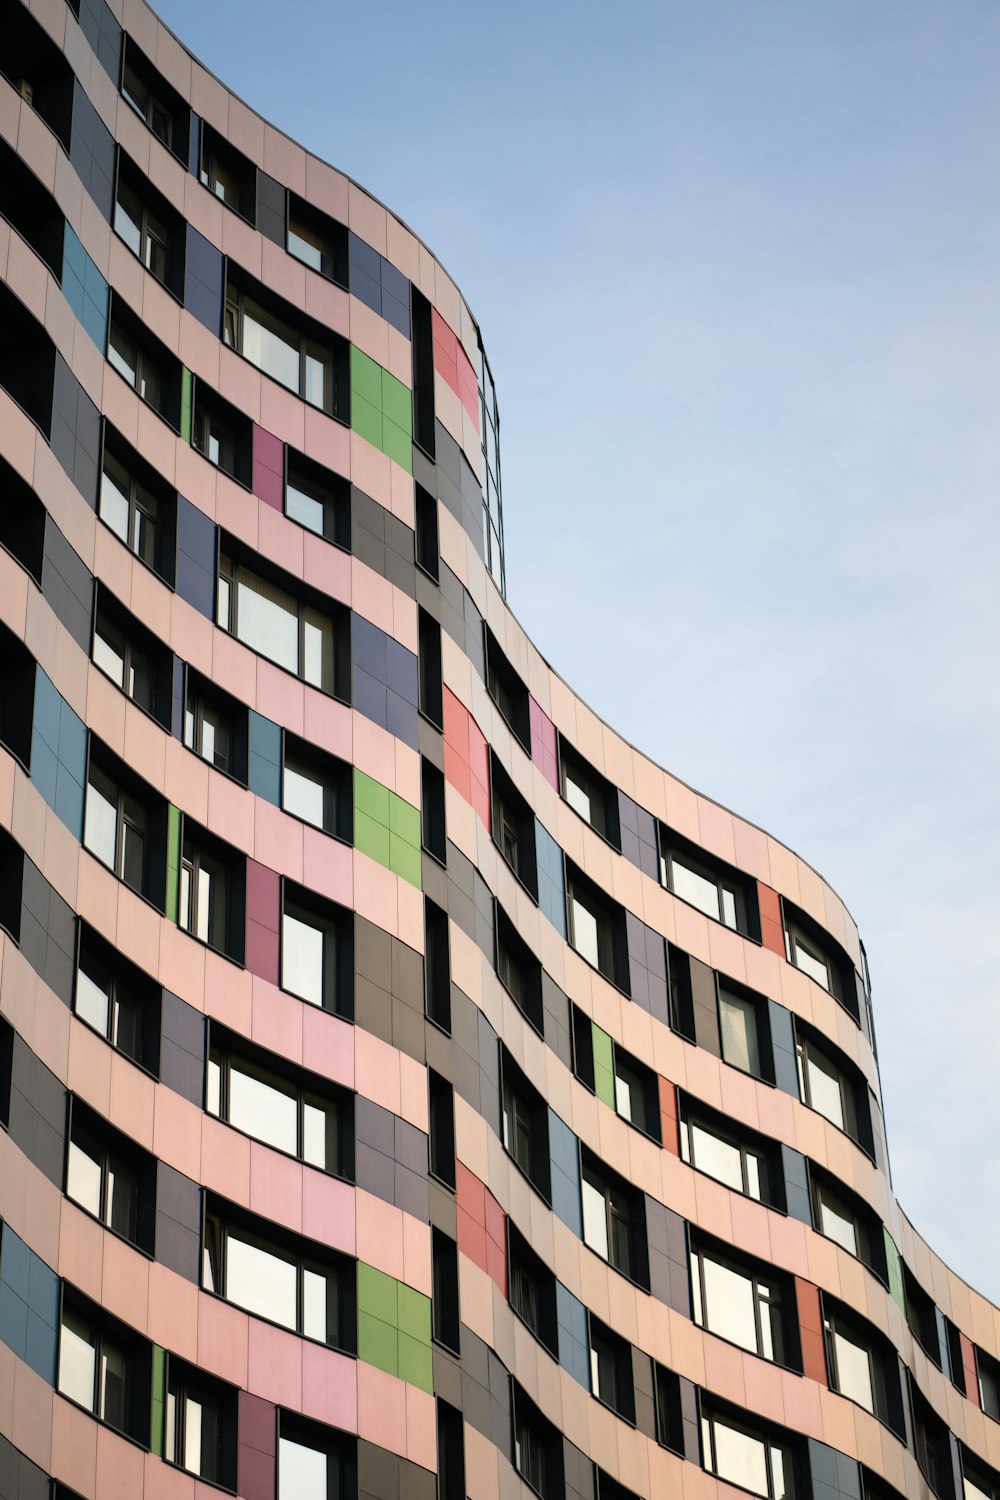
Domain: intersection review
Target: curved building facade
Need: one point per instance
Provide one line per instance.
(406, 1087)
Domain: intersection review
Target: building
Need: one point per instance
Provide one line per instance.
(405, 1085)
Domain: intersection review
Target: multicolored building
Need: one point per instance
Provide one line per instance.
(407, 1088)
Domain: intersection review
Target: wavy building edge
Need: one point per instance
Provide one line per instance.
(406, 1086)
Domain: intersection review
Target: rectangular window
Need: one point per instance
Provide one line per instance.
(508, 692)
(155, 101)
(597, 928)
(715, 888)
(532, 1289)
(286, 1280)
(212, 902)
(318, 499)
(744, 1032)
(637, 1093)
(611, 1370)
(148, 366)
(746, 1456)
(118, 1000)
(317, 951)
(228, 174)
(432, 814)
(110, 1177)
(222, 434)
(437, 966)
(317, 788)
(426, 539)
(989, 1384)
(144, 521)
(429, 668)
(137, 663)
(6, 1069)
(444, 1254)
(525, 1125)
(215, 726)
(538, 1456)
(442, 1128)
(614, 1220)
(200, 1424)
(669, 1410)
(932, 1443)
(738, 1304)
(300, 354)
(116, 827)
(827, 1087)
(304, 1116)
(519, 971)
(589, 794)
(843, 1218)
(513, 827)
(720, 1150)
(293, 633)
(149, 226)
(921, 1315)
(104, 1367)
(318, 241)
(450, 1452)
(315, 1462)
(810, 948)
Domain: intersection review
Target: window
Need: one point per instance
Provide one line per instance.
(532, 1289)
(285, 1279)
(6, 1069)
(743, 1032)
(317, 788)
(215, 726)
(826, 1087)
(289, 631)
(747, 1456)
(444, 1256)
(22, 522)
(139, 512)
(716, 889)
(432, 816)
(513, 827)
(978, 1482)
(318, 500)
(301, 1115)
(148, 226)
(139, 368)
(222, 434)
(635, 1086)
(611, 1370)
(228, 174)
(597, 928)
(18, 696)
(508, 691)
(153, 99)
(450, 1451)
(11, 881)
(200, 1424)
(921, 1315)
(317, 951)
(614, 1220)
(442, 1128)
(116, 828)
(589, 794)
(931, 1441)
(843, 1218)
(294, 360)
(120, 650)
(38, 70)
(148, 366)
(863, 1366)
(739, 1304)
(118, 1000)
(989, 1384)
(426, 540)
(437, 966)
(520, 972)
(525, 1125)
(315, 1462)
(538, 1454)
(110, 1177)
(669, 1409)
(317, 240)
(429, 668)
(104, 1367)
(713, 1145)
(817, 954)
(212, 902)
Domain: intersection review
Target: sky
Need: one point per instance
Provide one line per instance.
(735, 265)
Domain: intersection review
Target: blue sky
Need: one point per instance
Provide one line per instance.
(735, 262)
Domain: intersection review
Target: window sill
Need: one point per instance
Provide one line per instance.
(123, 1239)
(204, 943)
(160, 910)
(553, 1353)
(288, 1155)
(199, 1479)
(271, 1323)
(320, 535)
(119, 1051)
(324, 1009)
(525, 747)
(338, 838)
(545, 1197)
(337, 697)
(442, 1181)
(140, 116)
(143, 1447)
(532, 895)
(437, 858)
(736, 931)
(423, 714)
(435, 578)
(323, 275)
(175, 429)
(520, 1008)
(776, 1364)
(219, 468)
(148, 566)
(609, 843)
(36, 579)
(279, 384)
(629, 1421)
(145, 711)
(168, 289)
(598, 970)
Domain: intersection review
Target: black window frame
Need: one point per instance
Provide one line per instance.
(111, 1152)
(770, 1287)
(692, 1112)
(152, 359)
(184, 1381)
(143, 655)
(609, 917)
(296, 328)
(446, 1327)
(518, 969)
(611, 1364)
(337, 925)
(508, 691)
(145, 485)
(130, 989)
(176, 137)
(883, 1363)
(441, 1132)
(341, 1449)
(136, 1355)
(529, 1280)
(709, 867)
(334, 260)
(200, 850)
(213, 418)
(202, 695)
(543, 1471)
(333, 775)
(332, 492)
(437, 966)
(216, 152)
(624, 1216)
(524, 1119)
(512, 827)
(766, 1434)
(127, 786)
(573, 767)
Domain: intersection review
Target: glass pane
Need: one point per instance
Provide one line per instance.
(109, 652)
(314, 1290)
(729, 1307)
(854, 1371)
(144, 527)
(740, 1458)
(213, 1087)
(595, 1219)
(810, 962)
(170, 1429)
(577, 796)
(302, 1471)
(114, 497)
(150, 385)
(93, 997)
(192, 1435)
(77, 1360)
(319, 377)
(754, 1173)
(203, 904)
(267, 620)
(83, 1176)
(128, 219)
(306, 245)
(837, 1223)
(304, 508)
(728, 907)
(317, 649)
(119, 1212)
(123, 355)
(317, 1129)
(302, 794)
(100, 819)
(585, 932)
(824, 1088)
(263, 1107)
(133, 854)
(261, 1281)
(717, 1157)
(694, 888)
(738, 1024)
(302, 959)
(140, 680)
(270, 346)
(111, 1397)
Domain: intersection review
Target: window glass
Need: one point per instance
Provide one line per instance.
(83, 1176)
(729, 1304)
(317, 649)
(811, 962)
(77, 1359)
(109, 651)
(302, 794)
(100, 817)
(318, 1127)
(717, 1157)
(585, 935)
(314, 1298)
(854, 1372)
(261, 1281)
(319, 376)
(269, 345)
(690, 886)
(577, 795)
(595, 1219)
(823, 1086)
(738, 1025)
(302, 1471)
(837, 1222)
(302, 958)
(972, 1490)
(739, 1458)
(263, 1107)
(114, 501)
(122, 1192)
(267, 620)
(111, 1395)
(93, 997)
(123, 354)
(305, 244)
(304, 508)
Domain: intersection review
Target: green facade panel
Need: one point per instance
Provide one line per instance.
(173, 861)
(381, 409)
(604, 1066)
(158, 1400)
(387, 828)
(394, 1327)
(187, 403)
